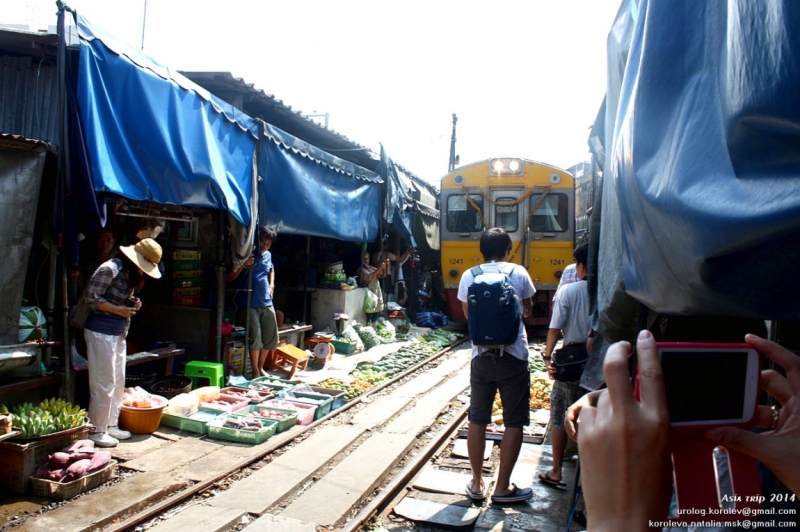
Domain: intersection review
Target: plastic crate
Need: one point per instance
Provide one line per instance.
(338, 396)
(323, 407)
(233, 404)
(187, 274)
(186, 301)
(18, 461)
(187, 265)
(196, 422)
(59, 491)
(344, 348)
(275, 384)
(189, 282)
(305, 411)
(289, 421)
(217, 431)
(263, 396)
(185, 254)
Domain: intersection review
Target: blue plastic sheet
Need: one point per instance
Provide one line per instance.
(306, 191)
(154, 135)
(705, 157)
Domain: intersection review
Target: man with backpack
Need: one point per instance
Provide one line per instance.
(494, 297)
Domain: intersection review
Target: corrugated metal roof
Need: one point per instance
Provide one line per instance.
(258, 104)
(28, 85)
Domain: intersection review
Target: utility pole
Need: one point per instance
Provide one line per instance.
(453, 157)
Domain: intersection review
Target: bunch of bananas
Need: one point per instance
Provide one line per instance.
(52, 415)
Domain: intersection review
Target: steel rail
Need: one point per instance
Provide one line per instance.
(178, 497)
(391, 490)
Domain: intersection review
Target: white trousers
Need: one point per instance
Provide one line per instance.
(106, 355)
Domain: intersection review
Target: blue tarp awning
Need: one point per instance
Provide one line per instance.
(153, 135)
(703, 150)
(306, 191)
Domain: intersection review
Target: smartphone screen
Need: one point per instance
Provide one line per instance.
(708, 386)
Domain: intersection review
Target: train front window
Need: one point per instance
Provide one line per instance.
(552, 216)
(506, 216)
(462, 216)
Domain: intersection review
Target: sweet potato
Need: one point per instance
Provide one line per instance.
(56, 474)
(43, 471)
(99, 461)
(83, 454)
(76, 470)
(59, 460)
(78, 445)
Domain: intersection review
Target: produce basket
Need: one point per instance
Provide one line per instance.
(217, 431)
(288, 421)
(263, 383)
(305, 412)
(255, 396)
(338, 396)
(171, 387)
(321, 401)
(18, 462)
(195, 422)
(59, 491)
(343, 348)
(142, 420)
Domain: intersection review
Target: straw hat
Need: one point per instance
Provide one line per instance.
(146, 254)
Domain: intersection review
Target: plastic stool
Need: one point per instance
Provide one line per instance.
(214, 372)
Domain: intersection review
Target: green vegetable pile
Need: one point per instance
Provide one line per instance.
(536, 364)
(367, 335)
(386, 334)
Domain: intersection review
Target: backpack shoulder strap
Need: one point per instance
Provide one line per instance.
(476, 270)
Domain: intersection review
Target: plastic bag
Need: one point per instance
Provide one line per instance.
(78, 362)
(370, 301)
(351, 334)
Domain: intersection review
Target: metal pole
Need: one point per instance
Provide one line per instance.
(452, 165)
(144, 21)
(220, 299)
(305, 279)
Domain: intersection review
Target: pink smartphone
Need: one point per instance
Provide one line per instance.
(710, 384)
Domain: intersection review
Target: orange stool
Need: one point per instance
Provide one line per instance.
(288, 358)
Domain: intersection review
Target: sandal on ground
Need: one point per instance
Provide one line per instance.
(545, 479)
(516, 495)
(474, 495)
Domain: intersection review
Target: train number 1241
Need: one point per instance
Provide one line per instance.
(456, 261)
(557, 262)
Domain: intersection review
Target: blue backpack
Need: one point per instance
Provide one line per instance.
(494, 313)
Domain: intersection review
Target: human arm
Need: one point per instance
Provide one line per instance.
(550, 344)
(626, 471)
(232, 275)
(778, 449)
(271, 282)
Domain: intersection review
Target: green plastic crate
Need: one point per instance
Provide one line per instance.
(275, 384)
(344, 348)
(323, 408)
(193, 423)
(283, 425)
(187, 265)
(338, 395)
(217, 431)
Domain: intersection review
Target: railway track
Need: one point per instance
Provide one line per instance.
(324, 473)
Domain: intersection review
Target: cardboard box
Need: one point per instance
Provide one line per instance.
(234, 358)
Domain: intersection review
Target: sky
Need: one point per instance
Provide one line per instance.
(524, 77)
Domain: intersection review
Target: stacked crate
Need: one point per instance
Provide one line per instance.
(187, 278)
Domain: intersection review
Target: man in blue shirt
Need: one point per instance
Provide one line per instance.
(261, 320)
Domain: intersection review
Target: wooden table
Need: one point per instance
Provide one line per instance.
(163, 354)
(293, 334)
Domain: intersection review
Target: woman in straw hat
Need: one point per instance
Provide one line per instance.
(110, 291)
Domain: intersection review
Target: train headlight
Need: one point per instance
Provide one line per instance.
(453, 273)
(506, 167)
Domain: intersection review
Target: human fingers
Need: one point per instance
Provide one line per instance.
(763, 417)
(780, 355)
(758, 446)
(571, 425)
(776, 385)
(651, 376)
(615, 369)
